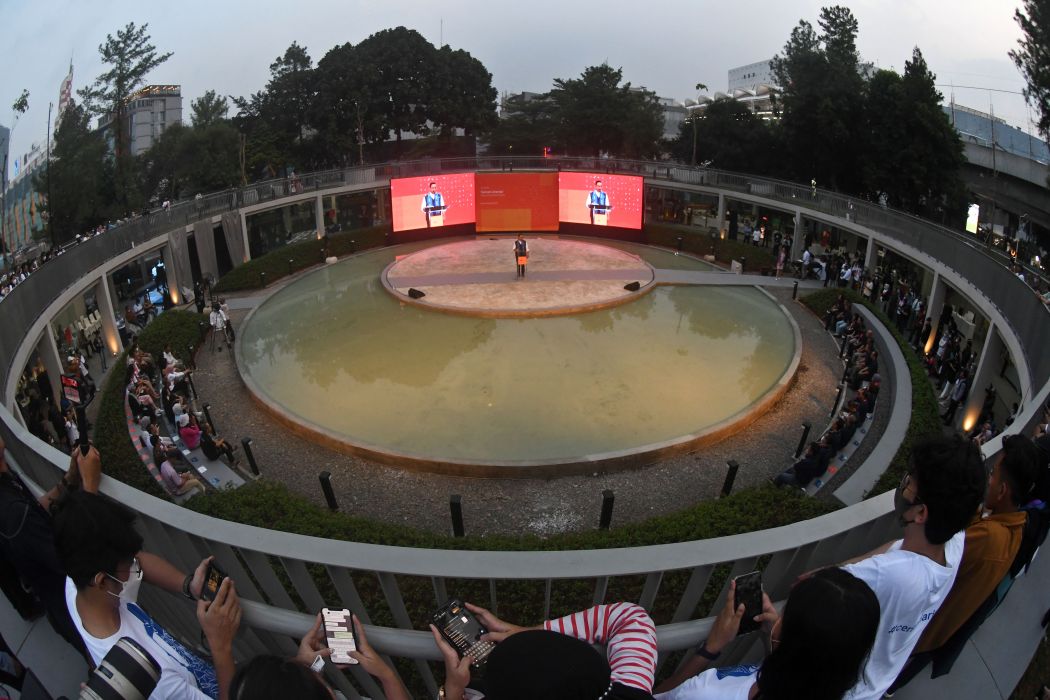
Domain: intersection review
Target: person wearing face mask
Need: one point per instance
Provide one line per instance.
(911, 577)
(105, 566)
(832, 615)
(993, 541)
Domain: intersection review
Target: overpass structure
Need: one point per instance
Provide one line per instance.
(281, 576)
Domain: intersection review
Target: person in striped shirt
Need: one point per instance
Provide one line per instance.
(556, 661)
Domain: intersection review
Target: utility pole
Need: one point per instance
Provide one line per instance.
(50, 201)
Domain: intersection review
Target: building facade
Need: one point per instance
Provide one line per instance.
(149, 112)
(22, 204)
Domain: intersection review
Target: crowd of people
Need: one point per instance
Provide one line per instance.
(874, 622)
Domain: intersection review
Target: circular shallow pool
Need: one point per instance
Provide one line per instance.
(335, 356)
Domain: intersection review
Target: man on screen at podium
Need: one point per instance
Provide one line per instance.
(434, 207)
(598, 205)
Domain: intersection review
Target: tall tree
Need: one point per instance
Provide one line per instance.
(81, 178)
(524, 128)
(131, 57)
(1033, 57)
(348, 110)
(730, 136)
(822, 100)
(208, 109)
(290, 91)
(595, 114)
(400, 66)
(461, 93)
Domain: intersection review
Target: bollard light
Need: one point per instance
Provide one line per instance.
(246, 443)
(607, 510)
(727, 485)
(455, 506)
(326, 486)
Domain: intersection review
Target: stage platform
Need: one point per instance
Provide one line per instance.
(479, 277)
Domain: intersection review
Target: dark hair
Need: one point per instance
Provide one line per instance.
(544, 664)
(432, 183)
(951, 482)
(267, 676)
(832, 616)
(93, 534)
(1020, 466)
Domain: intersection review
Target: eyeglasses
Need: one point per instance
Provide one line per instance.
(134, 571)
(906, 481)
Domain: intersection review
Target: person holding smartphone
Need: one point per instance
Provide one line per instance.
(105, 566)
(268, 676)
(556, 660)
(833, 616)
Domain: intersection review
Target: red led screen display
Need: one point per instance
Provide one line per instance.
(601, 200)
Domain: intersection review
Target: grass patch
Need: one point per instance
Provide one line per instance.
(925, 413)
(301, 255)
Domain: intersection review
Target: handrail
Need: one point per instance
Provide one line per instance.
(184, 535)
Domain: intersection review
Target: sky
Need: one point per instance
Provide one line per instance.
(665, 45)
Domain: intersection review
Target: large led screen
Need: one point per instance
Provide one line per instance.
(432, 202)
(517, 201)
(601, 200)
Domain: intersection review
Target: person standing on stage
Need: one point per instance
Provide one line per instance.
(433, 203)
(598, 201)
(521, 254)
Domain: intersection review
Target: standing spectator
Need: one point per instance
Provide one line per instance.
(958, 394)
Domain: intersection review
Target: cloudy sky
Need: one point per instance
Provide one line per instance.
(665, 45)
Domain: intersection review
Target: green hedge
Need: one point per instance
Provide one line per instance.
(303, 254)
(120, 459)
(925, 413)
(268, 504)
(698, 241)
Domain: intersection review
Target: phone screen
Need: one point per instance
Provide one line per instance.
(213, 578)
(462, 629)
(339, 635)
(749, 594)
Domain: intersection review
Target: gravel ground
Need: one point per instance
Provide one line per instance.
(394, 495)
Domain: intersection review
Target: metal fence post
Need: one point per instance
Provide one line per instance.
(727, 485)
(326, 486)
(607, 509)
(455, 506)
(246, 443)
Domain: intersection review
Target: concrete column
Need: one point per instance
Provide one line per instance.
(110, 334)
(721, 213)
(53, 361)
(173, 279)
(319, 216)
(934, 308)
(871, 256)
(987, 368)
(244, 232)
(798, 242)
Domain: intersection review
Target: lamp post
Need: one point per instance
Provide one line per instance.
(694, 108)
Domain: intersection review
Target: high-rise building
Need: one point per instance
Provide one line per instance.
(149, 112)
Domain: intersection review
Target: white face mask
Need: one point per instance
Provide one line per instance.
(129, 590)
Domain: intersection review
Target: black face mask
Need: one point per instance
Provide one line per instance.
(901, 506)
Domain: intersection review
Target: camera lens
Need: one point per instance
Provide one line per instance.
(127, 672)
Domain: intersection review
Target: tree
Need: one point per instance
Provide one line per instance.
(461, 93)
(347, 110)
(208, 109)
(594, 114)
(729, 135)
(81, 178)
(290, 91)
(526, 126)
(131, 57)
(399, 64)
(1033, 57)
(822, 100)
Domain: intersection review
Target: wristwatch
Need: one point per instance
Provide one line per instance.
(703, 651)
(186, 587)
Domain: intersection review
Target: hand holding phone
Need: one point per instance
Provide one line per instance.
(339, 635)
(213, 578)
(463, 631)
(749, 594)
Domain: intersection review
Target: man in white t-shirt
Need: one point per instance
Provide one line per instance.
(912, 576)
(102, 555)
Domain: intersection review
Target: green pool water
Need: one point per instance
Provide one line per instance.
(335, 350)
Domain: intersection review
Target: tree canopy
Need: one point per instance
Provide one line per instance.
(1032, 57)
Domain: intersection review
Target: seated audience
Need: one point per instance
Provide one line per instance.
(803, 471)
(832, 616)
(912, 576)
(214, 447)
(177, 483)
(103, 559)
(189, 430)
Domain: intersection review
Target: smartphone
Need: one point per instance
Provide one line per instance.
(462, 629)
(213, 578)
(85, 444)
(339, 635)
(749, 594)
